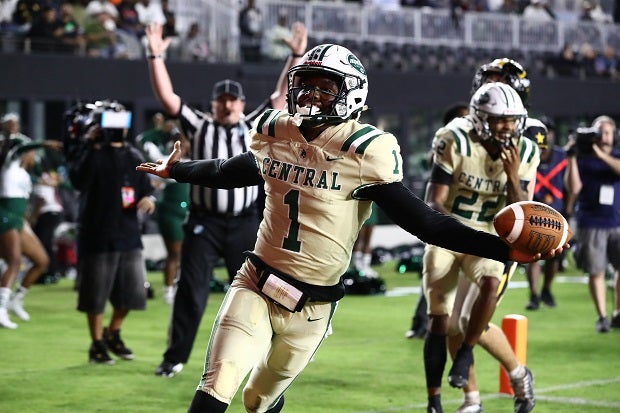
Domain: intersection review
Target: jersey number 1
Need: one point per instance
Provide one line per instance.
(291, 242)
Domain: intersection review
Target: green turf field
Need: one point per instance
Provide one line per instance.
(365, 366)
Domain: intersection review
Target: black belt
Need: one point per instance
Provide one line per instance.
(203, 213)
(330, 293)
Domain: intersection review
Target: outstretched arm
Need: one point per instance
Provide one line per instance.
(297, 43)
(235, 172)
(413, 215)
(160, 79)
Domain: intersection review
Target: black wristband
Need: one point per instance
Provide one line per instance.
(297, 55)
(155, 56)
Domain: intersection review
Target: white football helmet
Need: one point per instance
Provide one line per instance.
(338, 63)
(501, 101)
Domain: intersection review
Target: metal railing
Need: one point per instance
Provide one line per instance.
(338, 21)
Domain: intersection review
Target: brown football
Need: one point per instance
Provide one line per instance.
(532, 226)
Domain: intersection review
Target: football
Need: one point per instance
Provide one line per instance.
(532, 227)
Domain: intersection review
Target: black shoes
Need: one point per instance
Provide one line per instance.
(459, 373)
(115, 344)
(98, 353)
(534, 303)
(602, 325)
(168, 369)
(545, 297)
(615, 321)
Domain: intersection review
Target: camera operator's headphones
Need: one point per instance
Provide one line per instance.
(596, 123)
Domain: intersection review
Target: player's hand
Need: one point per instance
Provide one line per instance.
(511, 160)
(299, 39)
(156, 43)
(160, 167)
(527, 257)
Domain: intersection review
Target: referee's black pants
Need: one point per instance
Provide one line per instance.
(207, 239)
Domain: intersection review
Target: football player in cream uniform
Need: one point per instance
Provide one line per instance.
(321, 169)
(493, 339)
(481, 163)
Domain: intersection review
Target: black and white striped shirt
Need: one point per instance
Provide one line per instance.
(210, 140)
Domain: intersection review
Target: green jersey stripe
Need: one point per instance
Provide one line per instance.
(349, 141)
(362, 147)
(527, 151)
(268, 128)
(272, 124)
(263, 119)
(462, 143)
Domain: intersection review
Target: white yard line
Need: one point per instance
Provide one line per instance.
(575, 401)
(402, 291)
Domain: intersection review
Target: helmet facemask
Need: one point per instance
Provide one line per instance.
(497, 100)
(339, 65)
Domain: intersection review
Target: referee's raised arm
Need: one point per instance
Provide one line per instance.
(160, 79)
(297, 43)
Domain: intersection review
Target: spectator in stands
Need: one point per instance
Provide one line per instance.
(27, 12)
(606, 63)
(93, 6)
(509, 7)
(170, 21)
(274, 47)
(7, 8)
(587, 54)
(194, 47)
(591, 11)
(46, 33)
(129, 19)
(538, 10)
(100, 32)
(458, 7)
(72, 38)
(566, 63)
(251, 27)
(79, 11)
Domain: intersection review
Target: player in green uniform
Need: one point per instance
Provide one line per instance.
(321, 169)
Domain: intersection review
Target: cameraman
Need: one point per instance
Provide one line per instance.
(593, 177)
(110, 263)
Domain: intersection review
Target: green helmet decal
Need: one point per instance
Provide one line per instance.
(356, 64)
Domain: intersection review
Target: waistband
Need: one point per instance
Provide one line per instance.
(317, 293)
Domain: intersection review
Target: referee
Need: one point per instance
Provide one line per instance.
(221, 223)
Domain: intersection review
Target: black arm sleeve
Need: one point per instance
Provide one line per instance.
(413, 215)
(236, 172)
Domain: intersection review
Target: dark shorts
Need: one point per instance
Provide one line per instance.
(117, 276)
(12, 214)
(597, 248)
